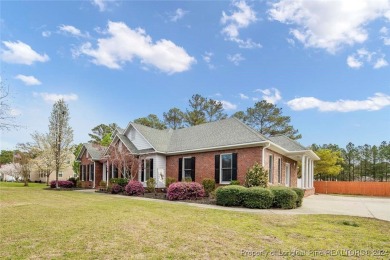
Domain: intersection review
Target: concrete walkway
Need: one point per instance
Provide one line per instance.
(360, 206)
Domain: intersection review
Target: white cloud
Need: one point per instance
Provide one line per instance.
(28, 80)
(179, 14)
(21, 53)
(46, 34)
(329, 24)
(236, 58)
(101, 4)
(69, 29)
(242, 96)
(362, 56)
(380, 63)
(377, 102)
(53, 97)
(271, 95)
(124, 44)
(228, 105)
(242, 17)
(384, 31)
(207, 58)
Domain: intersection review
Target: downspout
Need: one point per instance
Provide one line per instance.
(263, 155)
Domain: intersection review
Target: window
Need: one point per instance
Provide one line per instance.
(271, 169)
(60, 175)
(279, 170)
(226, 167)
(146, 169)
(288, 178)
(83, 172)
(187, 168)
(91, 172)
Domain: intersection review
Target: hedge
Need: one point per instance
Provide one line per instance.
(229, 195)
(284, 197)
(301, 194)
(62, 184)
(257, 197)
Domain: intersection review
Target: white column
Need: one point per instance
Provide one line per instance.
(303, 172)
(312, 173)
(307, 173)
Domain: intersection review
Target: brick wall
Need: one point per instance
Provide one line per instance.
(205, 163)
(246, 157)
(285, 160)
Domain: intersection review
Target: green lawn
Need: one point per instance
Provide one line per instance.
(47, 224)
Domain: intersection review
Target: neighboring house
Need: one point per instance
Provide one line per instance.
(64, 173)
(222, 150)
(91, 167)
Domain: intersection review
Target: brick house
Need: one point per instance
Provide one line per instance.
(91, 167)
(222, 150)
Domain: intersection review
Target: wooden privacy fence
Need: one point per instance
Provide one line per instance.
(353, 187)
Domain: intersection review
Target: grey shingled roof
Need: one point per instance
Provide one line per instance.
(128, 143)
(95, 151)
(287, 143)
(216, 134)
(159, 139)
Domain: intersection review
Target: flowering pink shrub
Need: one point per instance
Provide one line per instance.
(62, 184)
(185, 191)
(134, 188)
(116, 188)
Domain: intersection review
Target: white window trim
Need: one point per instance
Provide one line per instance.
(288, 180)
(220, 168)
(140, 177)
(183, 173)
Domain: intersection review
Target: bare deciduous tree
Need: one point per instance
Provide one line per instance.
(126, 162)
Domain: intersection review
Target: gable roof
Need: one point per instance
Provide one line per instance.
(94, 150)
(287, 143)
(228, 132)
(216, 135)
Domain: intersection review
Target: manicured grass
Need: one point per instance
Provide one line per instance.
(48, 224)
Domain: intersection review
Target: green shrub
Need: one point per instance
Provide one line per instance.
(169, 181)
(256, 176)
(74, 180)
(235, 182)
(151, 185)
(102, 184)
(257, 197)
(120, 181)
(208, 185)
(284, 198)
(300, 193)
(229, 195)
(187, 179)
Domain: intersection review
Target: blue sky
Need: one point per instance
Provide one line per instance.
(326, 63)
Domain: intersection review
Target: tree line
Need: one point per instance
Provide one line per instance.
(266, 118)
(353, 162)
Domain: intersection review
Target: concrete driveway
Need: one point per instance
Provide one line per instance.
(372, 207)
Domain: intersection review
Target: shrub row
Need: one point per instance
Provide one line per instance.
(258, 197)
(62, 184)
(121, 181)
(185, 191)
